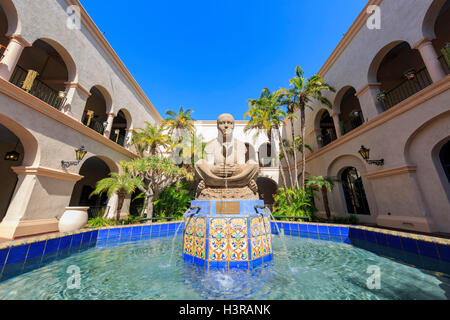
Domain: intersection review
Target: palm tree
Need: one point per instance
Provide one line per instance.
(151, 138)
(266, 116)
(179, 122)
(300, 95)
(120, 184)
(324, 184)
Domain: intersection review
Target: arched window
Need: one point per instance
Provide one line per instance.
(355, 196)
(444, 156)
(442, 31)
(119, 129)
(11, 155)
(351, 115)
(265, 156)
(42, 72)
(94, 115)
(401, 73)
(327, 129)
(93, 170)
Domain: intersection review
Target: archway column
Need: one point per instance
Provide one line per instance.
(12, 56)
(337, 125)
(76, 97)
(129, 137)
(370, 106)
(30, 211)
(109, 125)
(430, 58)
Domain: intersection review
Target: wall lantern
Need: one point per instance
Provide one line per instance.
(13, 155)
(365, 154)
(80, 153)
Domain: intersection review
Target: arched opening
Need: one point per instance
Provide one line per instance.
(11, 155)
(121, 123)
(267, 188)
(401, 73)
(354, 193)
(327, 130)
(351, 115)
(266, 156)
(42, 72)
(94, 115)
(444, 157)
(4, 40)
(93, 170)
(136, 204)
(442, 32)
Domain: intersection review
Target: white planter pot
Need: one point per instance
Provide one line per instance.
(74, 218)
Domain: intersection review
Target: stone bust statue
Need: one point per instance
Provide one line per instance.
(225, 174)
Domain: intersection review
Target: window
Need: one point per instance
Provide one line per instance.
(355, 196)
(444, 156)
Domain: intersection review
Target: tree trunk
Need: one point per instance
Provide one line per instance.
(286, 156)
(120, 200)
(303, 129)
(150, 208)
(285, 185)
(295, 153)
(326, 203)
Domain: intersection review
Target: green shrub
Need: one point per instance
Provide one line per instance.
(100, 222)
(174, 200)
(300, 205)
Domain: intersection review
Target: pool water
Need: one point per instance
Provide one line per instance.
(312, 269)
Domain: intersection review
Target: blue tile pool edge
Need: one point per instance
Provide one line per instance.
(19, 251)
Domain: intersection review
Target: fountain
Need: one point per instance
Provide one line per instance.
(227, 226)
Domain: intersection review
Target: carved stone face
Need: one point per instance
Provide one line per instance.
(225, 124)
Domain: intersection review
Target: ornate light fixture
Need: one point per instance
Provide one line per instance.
(80, 153)
(13, 155)
(365, 154)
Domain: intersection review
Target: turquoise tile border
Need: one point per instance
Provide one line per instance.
(419, 246)
(400, 245)
(20, 251)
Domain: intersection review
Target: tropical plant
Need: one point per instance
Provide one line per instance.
(151, 138)
(300, 205)
(267, 116)
(179, 123)
(174, 200)
(299, 97)
(120, 184)
(157, 174)
(324, 184)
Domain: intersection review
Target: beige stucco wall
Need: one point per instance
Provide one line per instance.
(416, 200)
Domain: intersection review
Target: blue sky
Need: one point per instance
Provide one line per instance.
(214, 55)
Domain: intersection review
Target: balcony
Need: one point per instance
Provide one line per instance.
(118, 138)
(406, 89)
(94, 125)
(445, 64)
(38, 89)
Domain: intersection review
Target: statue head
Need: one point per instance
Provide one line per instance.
(225, 125)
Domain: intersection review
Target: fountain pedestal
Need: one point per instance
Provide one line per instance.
(227, 234)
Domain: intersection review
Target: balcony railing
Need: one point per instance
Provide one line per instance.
(444, 64)
(119, 139)
(267, 162)
(407, 88)
(94, 125)
(39, 89)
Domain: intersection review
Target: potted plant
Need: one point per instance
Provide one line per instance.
(409, 74)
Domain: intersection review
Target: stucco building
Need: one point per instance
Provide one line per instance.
(82, 95)
(405, 122)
